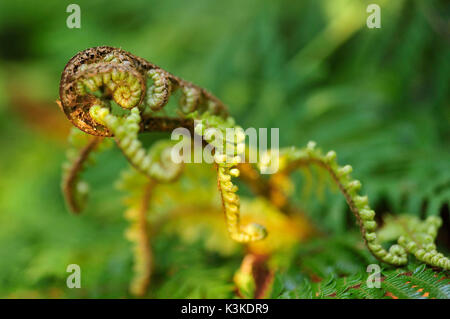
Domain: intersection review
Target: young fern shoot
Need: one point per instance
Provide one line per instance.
(98, 79)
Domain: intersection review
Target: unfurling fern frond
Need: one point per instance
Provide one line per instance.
(292, 159)
(108, 92)
(103, 74)
(417, 237)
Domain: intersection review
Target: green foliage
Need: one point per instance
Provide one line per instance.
(413, 282)
(379, 98)
(436, 284)
(336, 268)
(188, 271)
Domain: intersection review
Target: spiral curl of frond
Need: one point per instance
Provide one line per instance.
(99, 75)
(158, 93)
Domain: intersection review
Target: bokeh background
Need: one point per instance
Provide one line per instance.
(378, 97)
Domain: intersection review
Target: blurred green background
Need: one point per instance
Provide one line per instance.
(378, 97)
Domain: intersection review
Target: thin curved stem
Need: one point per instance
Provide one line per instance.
(73, 174)
(139, 235)
(349, 188)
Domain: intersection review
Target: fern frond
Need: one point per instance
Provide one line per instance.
(418, 240)
(364, 292)
(292, 158)
(417, 237)
(98, 79)
(429, 283)
(395, 285)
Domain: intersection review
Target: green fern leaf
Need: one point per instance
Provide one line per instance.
(434, 285)
(394, 284)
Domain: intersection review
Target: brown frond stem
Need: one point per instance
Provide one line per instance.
(254, 267)
(165, 124)
(72, 176)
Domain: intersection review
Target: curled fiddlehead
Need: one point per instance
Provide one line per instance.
(158, 93)
(96, 77)
(96, 71)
